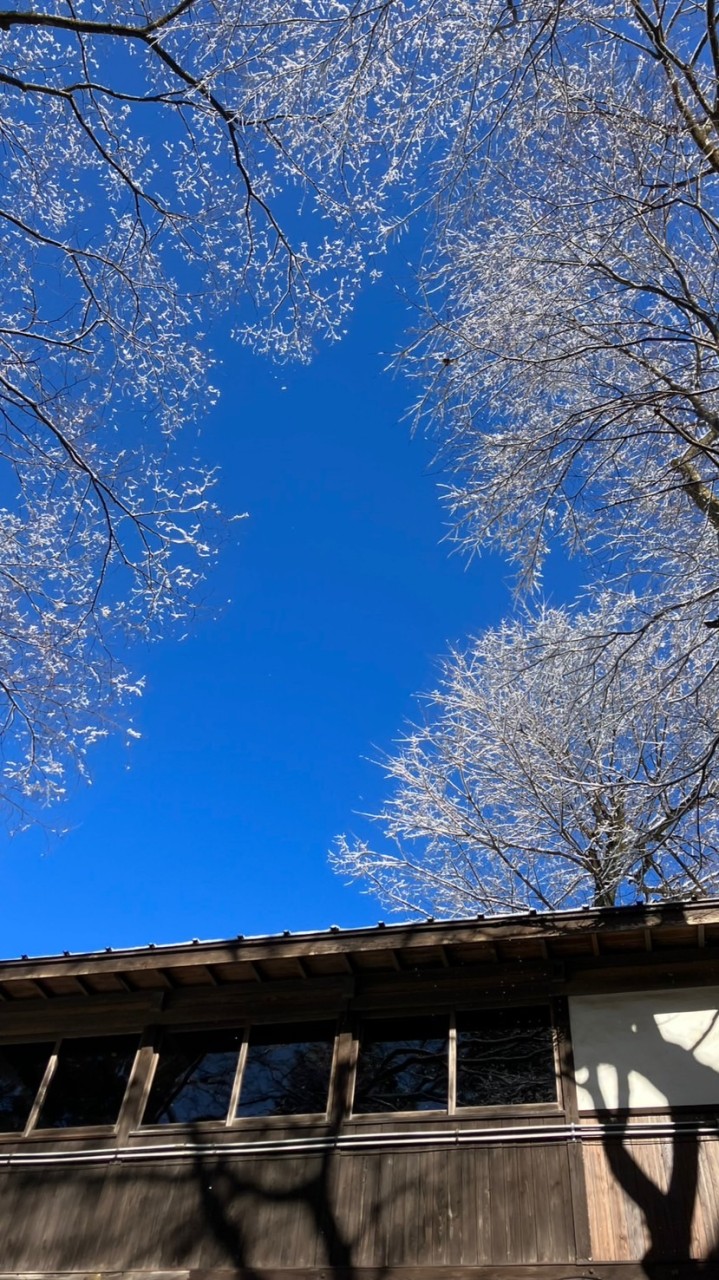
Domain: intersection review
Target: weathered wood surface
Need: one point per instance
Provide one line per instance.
(688, 1270)
(376, 1209)
(653, 1198)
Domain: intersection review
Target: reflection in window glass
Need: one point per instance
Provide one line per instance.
(287, 1070)
(89, 1082)
(194, 1077)
(504, 1057)
(402, 1066)
(22, 1067)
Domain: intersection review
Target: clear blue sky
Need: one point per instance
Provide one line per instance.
(256, 729)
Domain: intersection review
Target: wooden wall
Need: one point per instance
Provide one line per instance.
(647, 1199)
(459, 1207)
(653, 1198)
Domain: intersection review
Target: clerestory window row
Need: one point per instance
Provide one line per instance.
(442, 1063)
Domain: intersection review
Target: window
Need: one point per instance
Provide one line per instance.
(89, 1082)
(194, 1077)
(505, 1057)
(287, 1070)
(403, 1066)
(446, 1062)
(492, 1058)
(22, 1067)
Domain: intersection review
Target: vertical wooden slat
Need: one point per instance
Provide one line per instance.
(424, 1208)
(578, 1182)
(483, 1205)
(465, 1168)
(543, 1207)
(500, 1226)
(440, 1224)
(526, 1175)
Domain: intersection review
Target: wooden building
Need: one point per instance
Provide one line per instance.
(515, 1098)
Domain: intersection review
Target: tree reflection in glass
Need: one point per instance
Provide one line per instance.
(402, 1066)
(505, 1057)
(287, 1070)
(22, 1067)
(89, 1082)
(194, 1077)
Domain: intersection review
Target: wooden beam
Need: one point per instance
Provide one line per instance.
(124, 981)
(84, 986)
(64, 1015)
(42, 988)
(497, 1271)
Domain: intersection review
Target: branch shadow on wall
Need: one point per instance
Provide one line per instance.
(669, 1207)
(270, 1211)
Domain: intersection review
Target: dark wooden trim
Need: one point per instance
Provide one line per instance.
(290, 1000)
(563, 1033)
(497, 1271)
(138, 1087)
(707, 957)
(577, 1177)
(79, 1015)
(460, 987)
(342, 1078)
(635, 1114)
(529, 1271)
(84, 987)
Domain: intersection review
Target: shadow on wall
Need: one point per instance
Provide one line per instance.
(273, 1213)
(647, 1059)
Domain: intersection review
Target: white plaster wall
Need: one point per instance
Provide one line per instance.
(646, 1049)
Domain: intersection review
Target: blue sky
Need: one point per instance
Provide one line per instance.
(326, 612)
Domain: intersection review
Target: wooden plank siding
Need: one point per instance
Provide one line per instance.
(485, 1206)
(653, 1197)
(381, 1209)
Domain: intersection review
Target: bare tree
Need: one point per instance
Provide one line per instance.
(569, 366)
(154, 158)
(573, 347)
(163, 162)
(562, 761)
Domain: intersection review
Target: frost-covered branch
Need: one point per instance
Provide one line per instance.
(561, 761)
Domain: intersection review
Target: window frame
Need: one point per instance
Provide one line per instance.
(452, 1111)
(233, 1121)
(346, 1043)
(154, 1038)
(418, 1116)
(32, 1129)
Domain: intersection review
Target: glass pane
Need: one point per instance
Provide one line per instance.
(22, 1067)
(402, 1066)
(89, 1082)
(194, 1077)
(287, 1070)
(505, 1056)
